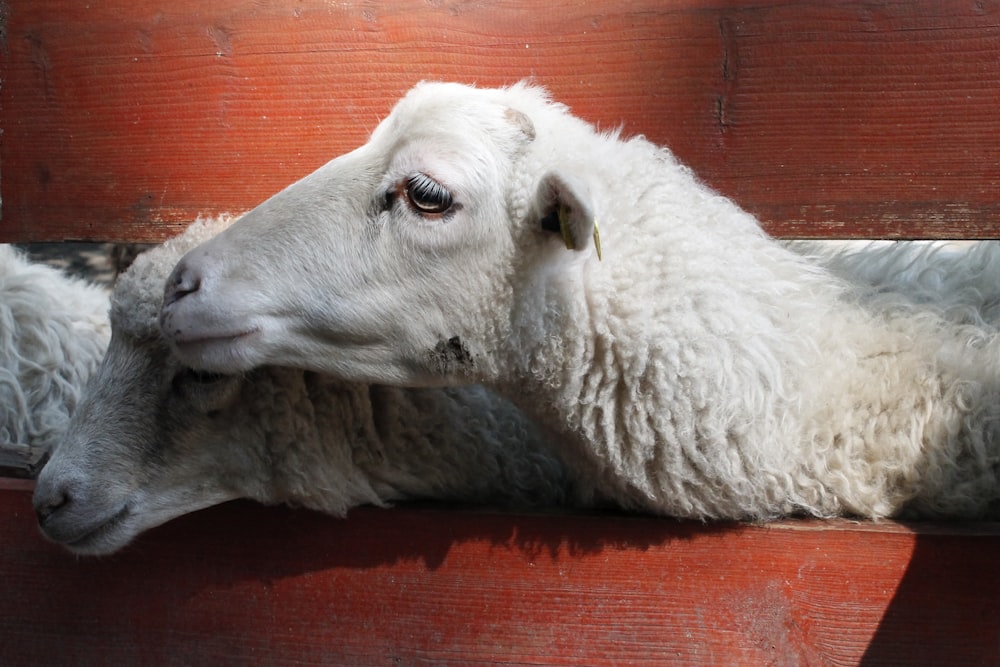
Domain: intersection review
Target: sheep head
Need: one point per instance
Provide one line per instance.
(152, 439)
(397, 262)
(143, 448)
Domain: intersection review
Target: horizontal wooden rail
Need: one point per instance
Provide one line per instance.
(242, 584)
(124, 120)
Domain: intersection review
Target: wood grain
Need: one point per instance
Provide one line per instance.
(242, 583)
(125, 120)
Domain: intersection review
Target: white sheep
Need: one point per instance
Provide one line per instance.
(702, 369)
(53, 332)
(956, 278)
(152, 440)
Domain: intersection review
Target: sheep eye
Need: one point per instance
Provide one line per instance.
(202, 377)
(426, 195)
(188, 379)
(205, 392)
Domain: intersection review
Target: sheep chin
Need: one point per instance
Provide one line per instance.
(137, 516)
(108, 537)
(228, 353)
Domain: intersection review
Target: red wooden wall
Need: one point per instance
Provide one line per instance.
(242, 584)
(125, 119)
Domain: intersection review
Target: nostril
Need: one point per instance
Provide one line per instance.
(183, 281)
(46, 507)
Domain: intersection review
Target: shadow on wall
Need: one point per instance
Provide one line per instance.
(946, 610)
(97, 262)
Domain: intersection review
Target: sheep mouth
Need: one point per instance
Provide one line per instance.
(108, 536)
(214, 352)
(205, 339)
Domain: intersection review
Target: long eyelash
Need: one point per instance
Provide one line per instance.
(427, 196)
(425, 187)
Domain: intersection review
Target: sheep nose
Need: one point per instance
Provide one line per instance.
(49, 499)
(184, 280)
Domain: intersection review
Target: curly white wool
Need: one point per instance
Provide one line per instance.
(53, 332)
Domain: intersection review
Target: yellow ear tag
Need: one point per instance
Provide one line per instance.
(568, 237)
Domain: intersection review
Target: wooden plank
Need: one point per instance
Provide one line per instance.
(125, 120)
(242, 583)
(20, 460)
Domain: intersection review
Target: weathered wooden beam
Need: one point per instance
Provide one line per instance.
(20, 460)
(243, 584)
(124, 120)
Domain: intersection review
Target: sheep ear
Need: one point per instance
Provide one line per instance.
(521, 121)
(565, 208)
